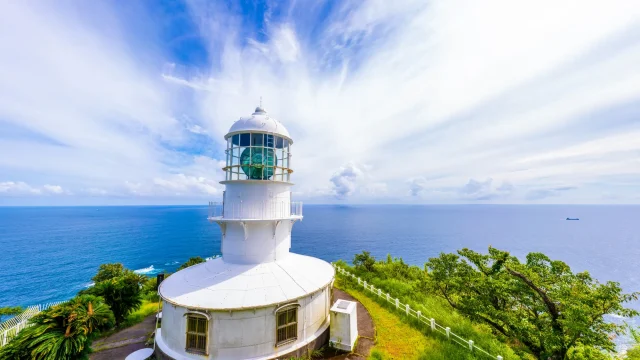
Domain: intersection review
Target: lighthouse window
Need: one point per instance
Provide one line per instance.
(256, 140)
(279, 142)
(245, 139)
(197, 330)
(286, 325)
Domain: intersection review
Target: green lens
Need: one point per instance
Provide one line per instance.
(258, 162)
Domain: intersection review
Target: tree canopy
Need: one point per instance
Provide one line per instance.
(540, 303)
(64, 331)
(192, 261)
(121, 289)
(109, 271)
(9, 311)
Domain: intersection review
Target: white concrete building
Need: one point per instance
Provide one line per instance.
(257, 301)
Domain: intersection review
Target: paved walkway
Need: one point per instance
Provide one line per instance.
(366, 329)
(117, 346)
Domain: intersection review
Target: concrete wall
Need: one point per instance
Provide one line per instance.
(257, 200)
(256, 242)
(247, 334)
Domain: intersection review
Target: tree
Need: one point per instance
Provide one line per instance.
(109, 271)
(192, 261)
(120, 288)
(123, 293)
(9, 311)
(364, 261)
(634, 352)
(61, 332)
(539, 303)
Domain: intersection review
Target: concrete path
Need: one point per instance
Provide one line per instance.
(118, 345)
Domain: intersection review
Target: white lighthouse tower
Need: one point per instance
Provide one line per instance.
(258, 301)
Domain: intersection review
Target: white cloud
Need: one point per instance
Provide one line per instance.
(485, 190)
(181, 184)
(345, 179)
(433, 94)
(22, 188)
(53, 189)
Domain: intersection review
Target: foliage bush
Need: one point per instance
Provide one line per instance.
(407, 288)
(121, 289)
(9, 311)
(192, 261)
(64, 331)
(476, 280)
(634, 352)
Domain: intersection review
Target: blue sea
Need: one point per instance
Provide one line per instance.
(50, 253)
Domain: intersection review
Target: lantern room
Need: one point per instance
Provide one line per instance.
(258, 148)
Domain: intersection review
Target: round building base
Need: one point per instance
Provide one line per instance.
(302, 351)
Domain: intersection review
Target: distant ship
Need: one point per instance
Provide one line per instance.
(573, 219)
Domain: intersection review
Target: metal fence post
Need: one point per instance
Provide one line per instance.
(365, 285)
(499, 357)
(433, 324)
(359, 281)
(448, 330)
(397, 303)
(419, 314)
(379, 292)
(388, 297)
(470, 345)
(407, 309)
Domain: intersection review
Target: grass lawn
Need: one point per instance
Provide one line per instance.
(394, 339)
(147, 308)
(400, 338)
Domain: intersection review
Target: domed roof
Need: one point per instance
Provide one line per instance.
(220, 285)
(259, 121)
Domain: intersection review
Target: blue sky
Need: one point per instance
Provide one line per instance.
(447, 101)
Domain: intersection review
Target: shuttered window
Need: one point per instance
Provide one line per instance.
(197, 330)
(286, 325)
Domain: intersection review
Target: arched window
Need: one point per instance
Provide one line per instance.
(286, 324)
(197, 333)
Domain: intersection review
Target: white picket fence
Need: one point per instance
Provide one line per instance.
(405, 308)
(10, 328)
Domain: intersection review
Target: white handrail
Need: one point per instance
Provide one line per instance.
(406, 309)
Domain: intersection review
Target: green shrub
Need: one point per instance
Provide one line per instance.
(62, 332)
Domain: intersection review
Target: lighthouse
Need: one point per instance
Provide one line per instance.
(258, 300)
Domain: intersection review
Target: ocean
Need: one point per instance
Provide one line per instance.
(49, 253)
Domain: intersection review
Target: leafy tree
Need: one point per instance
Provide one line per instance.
(539, 303)
(364, 261)
(192, 261)
(109, 271)
(150, 290)
(61, 332)
(634, 352)
(123, 293)
(9, 311)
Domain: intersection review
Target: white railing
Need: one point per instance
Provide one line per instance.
(253, 210)
(10, 328)
(406, 309)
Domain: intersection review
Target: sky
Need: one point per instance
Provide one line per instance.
(416, 102)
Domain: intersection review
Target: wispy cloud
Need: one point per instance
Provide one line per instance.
(18, 188)
(428, 95)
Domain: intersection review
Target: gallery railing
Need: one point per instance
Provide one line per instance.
(253, 210)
